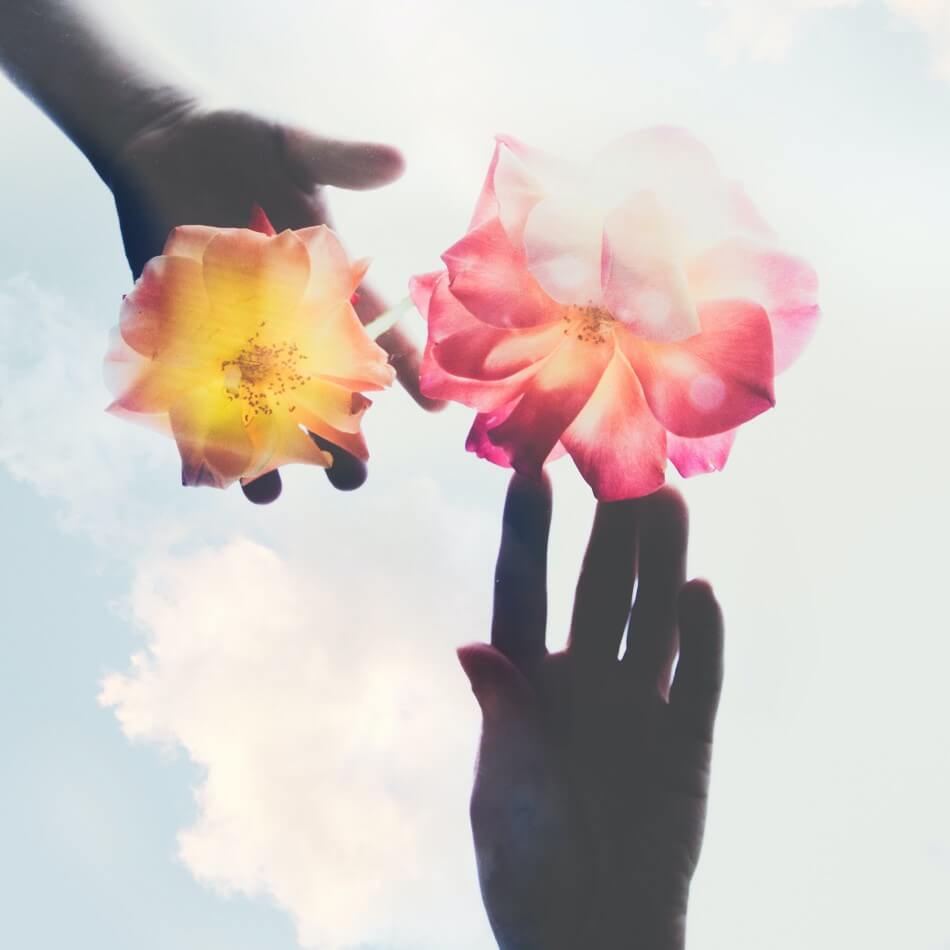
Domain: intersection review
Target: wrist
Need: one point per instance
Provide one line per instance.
(141, 112)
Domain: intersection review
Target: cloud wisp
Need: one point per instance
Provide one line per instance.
(334, 732)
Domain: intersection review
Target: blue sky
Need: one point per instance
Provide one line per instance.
(254, 778)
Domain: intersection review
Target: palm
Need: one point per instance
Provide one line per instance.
(590, 793)
(212, 167)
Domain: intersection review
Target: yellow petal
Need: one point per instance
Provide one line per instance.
(255, 282)
(278, 440)
(214, 446)
(339, 347)
(340, 407)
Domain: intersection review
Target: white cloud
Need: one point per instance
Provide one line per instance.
(763, 29)
(335, 732)
(932, 18)
(55, 433)
(766, 29)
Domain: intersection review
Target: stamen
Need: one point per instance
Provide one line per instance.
(589, 324)
(262, 372)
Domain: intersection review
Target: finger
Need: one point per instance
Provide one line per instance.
(520, 611)
(347, 471)
(263, 490)
(605, 586)
(651, 639)
(313, 160)
(403, 353)
(502, 692)
(694, 696)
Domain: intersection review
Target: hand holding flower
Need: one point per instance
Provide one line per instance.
(211, 167)
(590, 789)
(244, 346)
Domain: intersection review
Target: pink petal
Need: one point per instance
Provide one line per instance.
(466, 347)
(260, 222)
(680, 171)
(478, 440)
(189, 240)
(490, 277)
(713, 381)
(645, 287)
(421, 288)
(746, 216)
(700, 456)
(551, 402)
(167, 303)
(332, 277)
(486, 353)
(786, 286)
(615, 441)
(482, 395)
(563, 238)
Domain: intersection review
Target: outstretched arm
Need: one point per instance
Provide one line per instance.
(169, 159)
(100, 88)
(590, 792)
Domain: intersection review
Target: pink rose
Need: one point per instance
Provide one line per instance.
(628, 312)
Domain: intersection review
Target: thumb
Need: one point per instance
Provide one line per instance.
(501, 689)
(312, 160)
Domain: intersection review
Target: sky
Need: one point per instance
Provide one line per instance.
(234, 727)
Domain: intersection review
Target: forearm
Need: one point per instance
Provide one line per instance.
(99, 88)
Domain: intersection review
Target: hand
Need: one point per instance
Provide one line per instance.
(590, 791)
(193, 166)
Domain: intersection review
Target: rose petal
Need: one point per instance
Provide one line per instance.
(490, 278)
(352, 442)
(278, 440)
(563, 240)
(514, 188)
(713, 381)
(551, 402)
(339, 347)
(436, 383)
(167, 306)
(466, 347)
(615, 441)
(486, 353)
(255, 284)
(339, 407)
(421, 288)
(214, 446)
(645, 286)
(680, 171)
(332, 277)
(478, 440)
(786, 286)
(140, 384)
(190, 240)
(700, 456)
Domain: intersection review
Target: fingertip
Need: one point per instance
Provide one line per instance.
(668, 502)
(347, 473)
(696, 598)
(264, 490)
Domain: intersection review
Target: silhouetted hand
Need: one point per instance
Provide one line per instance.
(590, 791)
(194, 166)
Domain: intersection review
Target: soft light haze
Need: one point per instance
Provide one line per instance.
(301, 740)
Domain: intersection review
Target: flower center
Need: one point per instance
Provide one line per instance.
(589, 324)
(262, 373)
